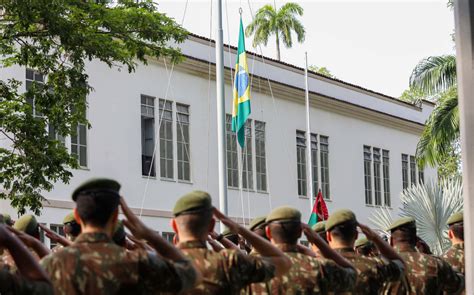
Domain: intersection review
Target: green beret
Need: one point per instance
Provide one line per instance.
(340, 217)
(284, 213)
(257, 223)
(361, 242)
(119, 232)
(193, 201)
(455, 218)
(27, 224)
(319, 227)
(96, 184)
(69, 218)
(401, 222)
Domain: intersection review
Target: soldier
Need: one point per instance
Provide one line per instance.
(365, 247)
(30, 279)
(425, 274)
(320, 229)
(227, 271)
(341, 232)
(94, 264)
(455, 254)
(71, 229)
(308, 275)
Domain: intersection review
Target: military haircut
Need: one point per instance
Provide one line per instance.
(345, 232)
(405, 234)
(97, 207)
(285, 232)
(458, 230)
(195, 223)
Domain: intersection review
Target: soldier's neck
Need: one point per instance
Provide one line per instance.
(456, 241)
(340, 245)
(91, 229)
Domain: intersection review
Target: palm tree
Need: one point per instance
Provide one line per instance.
(431, 205)
(436, 75)
(281, 23)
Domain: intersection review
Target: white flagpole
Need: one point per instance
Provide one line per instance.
(308, 137)
(221, 150)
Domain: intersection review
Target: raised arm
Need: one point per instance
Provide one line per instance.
(40, 249)
(385, 249)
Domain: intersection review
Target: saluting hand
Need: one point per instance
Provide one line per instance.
(133, 223)
(232, 225)
(369, 233)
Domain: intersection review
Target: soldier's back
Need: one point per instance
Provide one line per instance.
(455, 257)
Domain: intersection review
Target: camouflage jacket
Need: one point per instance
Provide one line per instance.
(15, 284)
(425, 274)
(309, 275)
(94, 264)
(372, 272)
(455, 257)
(227, 271)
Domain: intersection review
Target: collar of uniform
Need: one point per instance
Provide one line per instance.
(459, 246)
(92, 238)
(287, 247)
(404, 248)
(192, 244)
(345, 250)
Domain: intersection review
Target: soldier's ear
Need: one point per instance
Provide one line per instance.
(173, 225)
(450, 234)
(77, 217)
(268, 232)
(328, 236)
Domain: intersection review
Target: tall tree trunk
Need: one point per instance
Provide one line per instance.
(278, 46)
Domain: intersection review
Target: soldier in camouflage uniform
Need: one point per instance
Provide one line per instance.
(30, 279)
(365, 247)
(455, 254)
(425, 274)
(320, 229)
(308, 275)
(71, 229)
(94, 264)
(230, 270)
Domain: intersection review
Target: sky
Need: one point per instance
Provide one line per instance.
(373, 44)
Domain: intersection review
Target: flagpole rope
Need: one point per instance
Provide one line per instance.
(209, 95)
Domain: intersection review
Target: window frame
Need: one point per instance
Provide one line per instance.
(187, 145)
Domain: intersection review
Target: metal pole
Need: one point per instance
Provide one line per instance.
(464, 24)
(308, 136)
(221, 150)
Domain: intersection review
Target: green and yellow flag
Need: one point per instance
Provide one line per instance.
(241, 106)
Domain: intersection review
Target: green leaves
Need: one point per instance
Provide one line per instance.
(57, 38)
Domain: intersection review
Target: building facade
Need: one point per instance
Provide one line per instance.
(155, 131)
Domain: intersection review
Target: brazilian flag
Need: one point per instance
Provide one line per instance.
(241, 93)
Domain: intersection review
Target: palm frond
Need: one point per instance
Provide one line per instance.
(382, 218)
(434, 74)
(291, 8)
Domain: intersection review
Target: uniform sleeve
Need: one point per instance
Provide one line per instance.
(15, 284)
(390, 270)
(244, 269)
(452, 281)
(168, 276)
(336, 278)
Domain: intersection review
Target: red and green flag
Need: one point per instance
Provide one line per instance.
(320, 210)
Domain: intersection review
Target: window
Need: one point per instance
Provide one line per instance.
(386, 177)
(324, 147)
(33, 77)
(169, 236)
(260, 157)
(231, 146)
(404, 171)
(166, 139)
(79, 144)
(377, 178)
(304, 243)
(314, 161)
(182, 134)
(247, 167)
(148, 134)
(421, 175)
(301, 162)
(368, 174)
(412, 170)
(59, 229)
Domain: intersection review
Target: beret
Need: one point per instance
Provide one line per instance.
(193, 201)
(119, 232)
(257, 222)
(319, 227)
(455, 218)
(27, 224)
(339, 217)
(361, 242)
(401, 222)
(97, 184)
(284, 213)
(7, 219)
(69, 218)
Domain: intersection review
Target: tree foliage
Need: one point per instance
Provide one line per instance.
(57, 39)
(321, 70)
(269, 21)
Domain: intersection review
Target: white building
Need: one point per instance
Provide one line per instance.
(364, 141)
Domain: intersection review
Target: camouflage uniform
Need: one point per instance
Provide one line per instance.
(94, 264)
(308, 275)
(455, 257)
(425, 274)
(372, 272)
(15, 284)
(227, 271)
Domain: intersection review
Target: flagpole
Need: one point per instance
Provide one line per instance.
(221, 115)
(308, 136)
